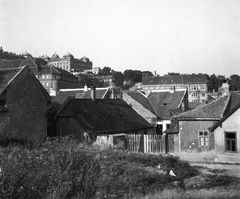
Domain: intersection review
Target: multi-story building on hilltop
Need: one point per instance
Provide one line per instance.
(69, 63)
(195, 84)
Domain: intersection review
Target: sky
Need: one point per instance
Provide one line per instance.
(184, 36)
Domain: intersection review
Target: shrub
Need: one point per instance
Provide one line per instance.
(59, 169)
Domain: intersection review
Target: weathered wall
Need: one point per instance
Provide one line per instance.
(189, 136)
(140, 109)
(26, 115)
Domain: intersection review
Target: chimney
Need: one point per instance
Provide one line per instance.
(183, 106)
(85, 88)
(93, 93)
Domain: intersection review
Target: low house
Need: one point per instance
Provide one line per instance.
(110, 121)
(227, 136)
(23, 105)
(194, 134)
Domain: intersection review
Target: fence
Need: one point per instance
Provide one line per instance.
(145, 143)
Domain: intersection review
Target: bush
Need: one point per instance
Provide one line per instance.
(59, 169)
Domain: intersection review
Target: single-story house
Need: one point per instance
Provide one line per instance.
(227, 136)
(193, 126)
(110, 121)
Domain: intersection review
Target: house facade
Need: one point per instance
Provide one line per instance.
(23, 106)
(195, 84)
(227, 137)
(193, 126)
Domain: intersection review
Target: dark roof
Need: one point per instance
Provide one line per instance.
(6, 76)
(104, 116)
(193, 105)
(142, 99)
(33, 63)
(164, 102)
(217, 109)
(234, 104)
(79, 93)
(177, 79)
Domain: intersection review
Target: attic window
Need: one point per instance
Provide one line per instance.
(165, 104)
(3, 98)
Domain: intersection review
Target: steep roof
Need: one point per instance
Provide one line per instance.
(103, 116)
(63, 94)
(217, 109)
(165, 103)
(142, 99)
(6, 76)
(233, 105)
(176, 79)
(50, 69)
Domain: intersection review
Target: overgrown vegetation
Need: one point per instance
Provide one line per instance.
(65, 169)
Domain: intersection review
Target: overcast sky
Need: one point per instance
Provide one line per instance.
(186, 36)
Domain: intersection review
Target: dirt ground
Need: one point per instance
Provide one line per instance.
(220, 179)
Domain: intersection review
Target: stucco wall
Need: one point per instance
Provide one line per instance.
(231, 124)
(189, 136)
(26, 115)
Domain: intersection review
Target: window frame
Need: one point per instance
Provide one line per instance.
(205, 138)
(230, 139)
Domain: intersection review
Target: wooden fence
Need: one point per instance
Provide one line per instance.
(145, 143)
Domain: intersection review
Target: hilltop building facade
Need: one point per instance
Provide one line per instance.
(69, 63)
(195, 84)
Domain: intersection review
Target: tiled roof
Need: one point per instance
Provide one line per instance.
(79, 93)
(214, 110)
(104, 116)
(34, 65)
(6, 77)
(164, 102)
(233, 105)
(49, 69)
(178, 79)
(142, 99)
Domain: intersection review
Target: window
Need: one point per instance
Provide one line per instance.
(203, 138)
(168, 126)
(230, 141)
(47, 84)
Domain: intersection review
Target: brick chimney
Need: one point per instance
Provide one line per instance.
(93, 93)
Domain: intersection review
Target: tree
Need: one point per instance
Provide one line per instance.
(234, 82)
(118, 78)
(132, 76)
(106, 71)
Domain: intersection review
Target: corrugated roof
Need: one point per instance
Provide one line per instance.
(104, 116)
(142, 99)
(164, 102)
